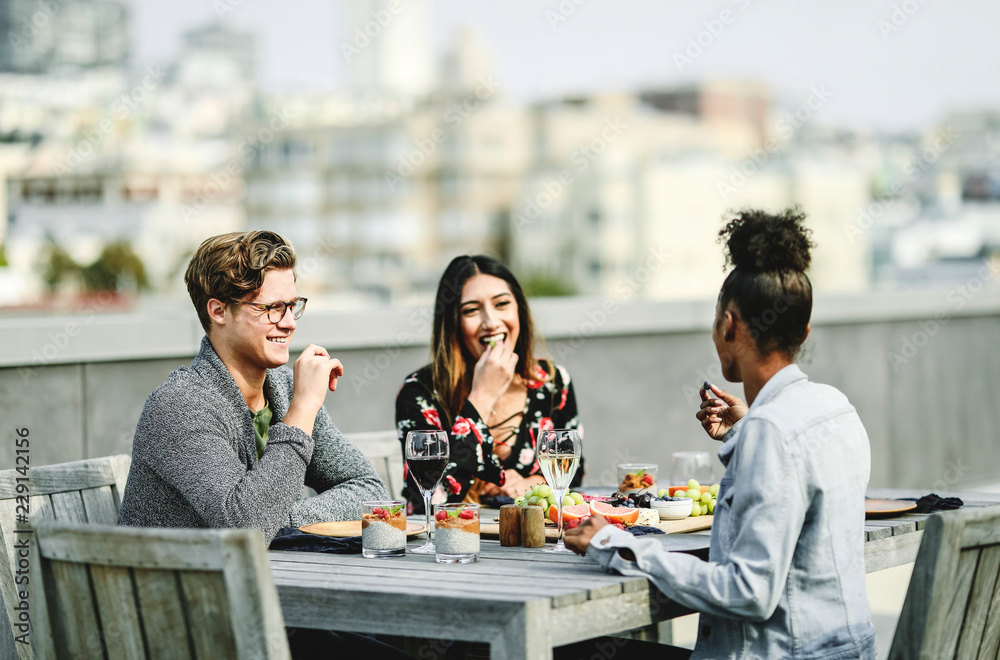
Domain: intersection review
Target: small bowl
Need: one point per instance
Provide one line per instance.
(633, 468)
(673, 509)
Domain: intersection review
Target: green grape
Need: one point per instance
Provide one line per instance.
(694, 494)
(693, 484)
(568, 501)
(519, 501)
(663, 493)
(577, 498)
(714, 490)
(711, 506)
(706, 498)
(544, 490)
(695, 511)
(533, 500)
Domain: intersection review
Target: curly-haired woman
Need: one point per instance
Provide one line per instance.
(785, 575)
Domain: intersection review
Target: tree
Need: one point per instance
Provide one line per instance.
(542, 286)
(118, 268)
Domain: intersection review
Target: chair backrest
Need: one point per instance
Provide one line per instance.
(382, 448)
(952, 606)
(87, 491)
(128, 592)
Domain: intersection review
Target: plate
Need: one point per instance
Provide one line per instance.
(887, 508)
(345, 528)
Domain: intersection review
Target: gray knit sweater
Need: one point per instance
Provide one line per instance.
(194, 459)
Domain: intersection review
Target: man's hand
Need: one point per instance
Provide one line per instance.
(315, 373)
(578, 539)
(719, 411)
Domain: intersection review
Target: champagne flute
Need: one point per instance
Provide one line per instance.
(426, 460)
(558, 452)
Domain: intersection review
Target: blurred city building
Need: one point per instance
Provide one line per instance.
(47, 37)
(421, 157)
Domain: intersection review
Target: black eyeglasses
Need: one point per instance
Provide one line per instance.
(276, 311)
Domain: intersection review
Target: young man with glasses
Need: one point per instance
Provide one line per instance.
(230, 440)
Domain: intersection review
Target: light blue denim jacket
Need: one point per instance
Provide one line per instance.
(785, 576)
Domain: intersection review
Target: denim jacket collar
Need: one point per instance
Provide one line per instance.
(785, 376)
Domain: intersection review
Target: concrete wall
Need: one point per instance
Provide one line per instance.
(79, 383)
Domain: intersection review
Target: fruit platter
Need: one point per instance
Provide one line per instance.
(673, 510)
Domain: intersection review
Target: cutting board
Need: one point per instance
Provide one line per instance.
(492, 530)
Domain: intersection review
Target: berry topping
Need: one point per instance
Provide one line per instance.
(441, 515)
(647, 479)
(467, 514)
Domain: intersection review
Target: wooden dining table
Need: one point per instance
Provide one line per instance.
(521, 602)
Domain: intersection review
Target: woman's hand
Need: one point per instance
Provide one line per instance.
(578, 538)
(515, 485)
(491, 377)
(718, 415)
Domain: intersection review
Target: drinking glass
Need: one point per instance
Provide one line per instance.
(687, 465)
(383, 528)
(558, 452)
(456, 532)
(426, 459)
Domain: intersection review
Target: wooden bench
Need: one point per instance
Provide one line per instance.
(952, 606)
(125, 592)
(88, 491)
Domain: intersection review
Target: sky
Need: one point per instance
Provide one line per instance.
(887, 65)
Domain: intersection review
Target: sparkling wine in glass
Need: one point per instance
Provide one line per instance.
(426, 459)
(558, 452)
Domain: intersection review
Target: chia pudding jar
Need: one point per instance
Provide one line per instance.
(456, 533)
(383, 528)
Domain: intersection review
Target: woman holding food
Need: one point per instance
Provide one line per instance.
(785, 575)
(485, 386)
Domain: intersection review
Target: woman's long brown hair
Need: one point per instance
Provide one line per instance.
(452, 363)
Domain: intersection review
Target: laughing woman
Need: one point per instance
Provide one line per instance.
(484, 386)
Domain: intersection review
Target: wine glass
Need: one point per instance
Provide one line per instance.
(558, 452)
(426, 459)
(685, 465)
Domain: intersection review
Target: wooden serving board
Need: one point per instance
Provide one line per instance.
(492, 530)
(346, 528)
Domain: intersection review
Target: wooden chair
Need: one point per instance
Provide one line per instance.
(127, 592)
(87, 491)
(382, 448)
(952, 606)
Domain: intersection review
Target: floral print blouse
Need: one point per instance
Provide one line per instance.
(550, 404)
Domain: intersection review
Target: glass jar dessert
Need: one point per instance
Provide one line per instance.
(456, 533)
(383, 528)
